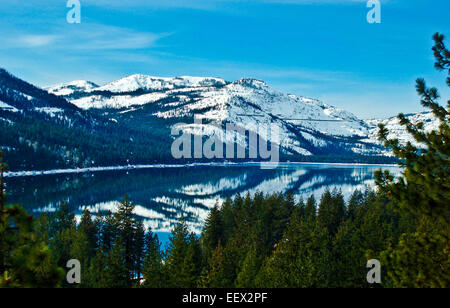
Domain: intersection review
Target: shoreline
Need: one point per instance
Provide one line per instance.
(14, 174)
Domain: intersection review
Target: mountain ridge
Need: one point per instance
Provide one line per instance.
(247, 100)
(80, 124)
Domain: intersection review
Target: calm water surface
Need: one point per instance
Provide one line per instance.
(163, 195)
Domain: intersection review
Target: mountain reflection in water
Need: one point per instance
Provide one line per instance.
(163, 195)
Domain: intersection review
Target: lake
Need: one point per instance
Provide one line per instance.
(162, 195)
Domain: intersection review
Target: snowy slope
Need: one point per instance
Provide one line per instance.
(6, 107)
(255, 106)
(303, 123)
(138, 112)
(117, 101)
(135, 82)
(397, 131)
(224, 101)
(71, 87)
(306, 126)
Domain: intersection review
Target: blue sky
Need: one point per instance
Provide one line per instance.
(323, 49)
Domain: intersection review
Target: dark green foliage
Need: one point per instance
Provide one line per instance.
(422, 258)
(249, 270)
(153, 268)
(306, 257)
(127, 234)
(117, 272)
(213, 232)
(111, 248)
(272, 242)
(183, 258)
(88, 228)
(25, 259)
(278, 243)
(192, 264)
(425, 187)
(331, 212)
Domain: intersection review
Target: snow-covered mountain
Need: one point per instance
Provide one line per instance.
(144, 82)
(20, 98)
(398, 131)
(71, 87)
(39, 130)
(307, 126)
(129, 122)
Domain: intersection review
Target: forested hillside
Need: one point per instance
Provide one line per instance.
(40, 131)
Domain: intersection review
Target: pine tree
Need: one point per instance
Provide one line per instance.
(153, 268)
(216, 276)
(331, 211)
(62, 233)
(301, 258)
(97, 276)
(228, 220)
(355, 204)
(126, 227)
(311, 208)
(80, 250)
(108, 234)
(117, 273)
(422, 258)
(62, 219)
(139, 247)
(425, 185)
(62, 246)
(249, 270)
(285, 207)
(192, 263)
(176, 253)
(213, 231)
(90, 231)
(25, 261)
(3, 166)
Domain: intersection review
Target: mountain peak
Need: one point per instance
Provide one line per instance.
(146, 82)
(251, 82)
(68, 88)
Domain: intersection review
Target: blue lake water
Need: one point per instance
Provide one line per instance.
(162, 195)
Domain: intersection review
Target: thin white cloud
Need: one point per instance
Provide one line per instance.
(101, 37)
(31, 40)
(83, 37)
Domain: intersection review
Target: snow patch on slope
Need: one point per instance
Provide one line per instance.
(50, 111)
(135, 82)
(71, 87)
(398, 131)
(6, 107)
(117, 102)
